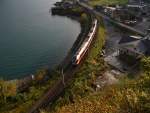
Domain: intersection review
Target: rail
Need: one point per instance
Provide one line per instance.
(56, 90)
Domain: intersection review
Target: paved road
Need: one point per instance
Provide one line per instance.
(111, 20)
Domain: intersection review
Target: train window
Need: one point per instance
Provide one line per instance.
(74, 59)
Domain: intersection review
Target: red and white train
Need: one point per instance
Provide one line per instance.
(85, 46)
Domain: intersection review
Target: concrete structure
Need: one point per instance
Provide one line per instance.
(134, 46)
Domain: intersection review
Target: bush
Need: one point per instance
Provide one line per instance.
(145, 64)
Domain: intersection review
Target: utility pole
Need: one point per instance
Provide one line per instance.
(63, 77)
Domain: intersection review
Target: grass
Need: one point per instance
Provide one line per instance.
(99, 42)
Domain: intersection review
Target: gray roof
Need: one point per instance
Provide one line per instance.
(140, 46)
(147, 44)
(127, 39)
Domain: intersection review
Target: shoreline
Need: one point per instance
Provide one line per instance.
(25, 82)
(45, 87)
(74, 18)
(16, 67)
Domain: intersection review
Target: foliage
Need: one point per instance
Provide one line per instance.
(7, 90)
(145, 64)
(40, 74)
(132, 97)
(17, 102)
(129, 96)
(83, 17)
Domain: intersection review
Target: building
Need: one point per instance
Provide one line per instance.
(134, 46)
(139, 7)
(65, 4)
(119, 12)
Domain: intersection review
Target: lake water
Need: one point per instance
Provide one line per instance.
(30, 38)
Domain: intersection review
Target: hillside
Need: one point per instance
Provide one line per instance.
(128, 96)
(120, 93)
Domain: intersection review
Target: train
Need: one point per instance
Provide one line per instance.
(85, 45)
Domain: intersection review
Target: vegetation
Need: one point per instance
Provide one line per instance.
(107, 2)
(14, 101)
(19, 102)
(93, 66)
(129, 96)
(145, 64)
(7, 89)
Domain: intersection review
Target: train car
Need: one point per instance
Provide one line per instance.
(85, 46)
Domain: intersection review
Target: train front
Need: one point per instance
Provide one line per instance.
(75, 60)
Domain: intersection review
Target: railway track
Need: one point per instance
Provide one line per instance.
(54, 92)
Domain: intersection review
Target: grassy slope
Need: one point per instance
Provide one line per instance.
(131, 97)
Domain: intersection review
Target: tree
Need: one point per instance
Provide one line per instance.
(40, 74)
(145, 64)
(84, 17)
(7, 89)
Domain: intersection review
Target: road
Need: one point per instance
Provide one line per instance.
(111, 20)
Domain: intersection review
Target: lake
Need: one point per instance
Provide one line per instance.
(30, 38)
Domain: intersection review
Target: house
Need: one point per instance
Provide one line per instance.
(65, 4)
(139, 7)
(134, 46)
(112, 11)
(118, 12)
